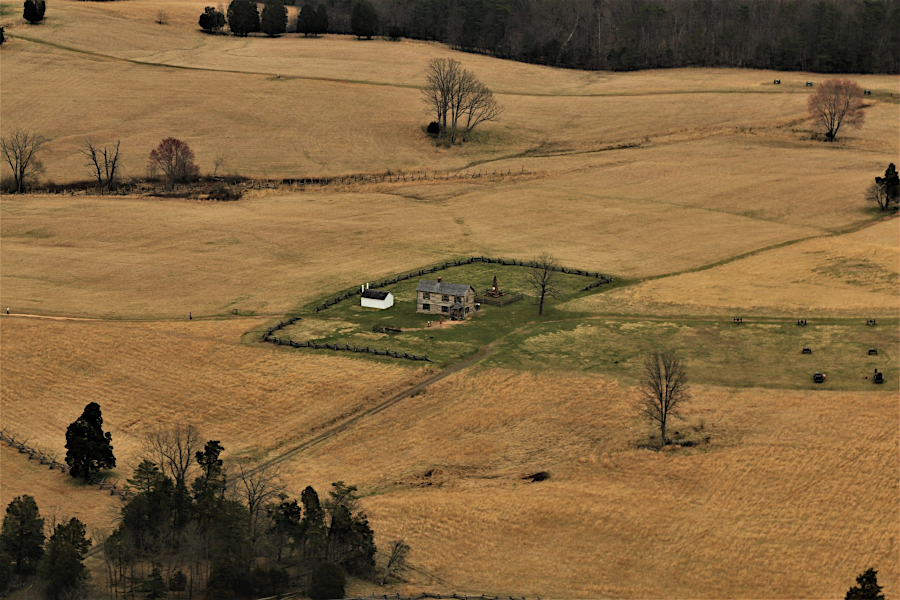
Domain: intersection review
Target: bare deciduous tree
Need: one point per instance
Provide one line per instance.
(174, 158)
(20, 150)
(257, 487)
(103, 164)
(542, 276)
(221, 159)
(663, 389)
(399, 551)
(480, 107)
(173, 450)
(453, 93)
(835, 103)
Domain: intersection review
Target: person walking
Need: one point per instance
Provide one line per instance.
(7, 310)
(190, 316)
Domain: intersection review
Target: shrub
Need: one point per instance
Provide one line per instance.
(223, 191)
(211, 19)
(34, 11)
(434, 128)
(178, 582)
(394, 33)
(327, 582)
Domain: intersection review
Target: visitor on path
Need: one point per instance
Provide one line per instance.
(7, 310)
(190, 316)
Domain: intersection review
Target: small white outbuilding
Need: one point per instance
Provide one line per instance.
(376, 299)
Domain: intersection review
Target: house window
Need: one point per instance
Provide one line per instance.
(445, 298)
(425, 295)
(445, 309)
(426, 307)
(467, 310)
(460, 299)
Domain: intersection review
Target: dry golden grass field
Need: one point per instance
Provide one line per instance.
(701, 191)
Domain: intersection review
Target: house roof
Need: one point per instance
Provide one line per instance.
(442, 287)
(375, 294)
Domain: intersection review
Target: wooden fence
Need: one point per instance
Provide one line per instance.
(422, 596)
(302, 183)
(268, 337)
(599, 278)
(153, 187)
(485, 298)
(44, 458)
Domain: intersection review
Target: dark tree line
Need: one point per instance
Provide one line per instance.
(829, 36)
(193, 526)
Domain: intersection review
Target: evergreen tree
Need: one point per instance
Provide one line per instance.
(212, 19)
(22, 536)
(156, 586)
(321, 20)
(351, 542)
(243, 17)
(34, 11)
(285, 528)
(364, 20)
(307, 20)
(274, 18)
(312, 526)
(88, 449)
(866, 587)
(61, 568)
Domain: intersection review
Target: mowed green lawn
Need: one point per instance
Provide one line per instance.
(349, 323)
(764, 353)
(758, 353)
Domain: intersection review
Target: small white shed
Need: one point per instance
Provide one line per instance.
(376, 299)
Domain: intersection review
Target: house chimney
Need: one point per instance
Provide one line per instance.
(367, 286)
(363, 288)
(440, 279)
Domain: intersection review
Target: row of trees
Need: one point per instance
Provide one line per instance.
(195, 525)
(172, 157)
(243, 18)
(830, 36)
(190, 525)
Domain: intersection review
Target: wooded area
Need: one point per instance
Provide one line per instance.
(839, 36)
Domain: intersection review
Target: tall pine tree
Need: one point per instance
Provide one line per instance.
(88, 449)
(22, 535)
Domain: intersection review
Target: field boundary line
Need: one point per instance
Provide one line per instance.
(346, 424)
(146, 63)
(749, 253)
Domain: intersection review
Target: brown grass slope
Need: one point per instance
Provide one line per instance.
(340, 105)
(801, 486)
(640, 175)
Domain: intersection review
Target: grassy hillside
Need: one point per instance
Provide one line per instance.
(702, 192)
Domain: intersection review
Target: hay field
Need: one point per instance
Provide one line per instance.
(340, 105)
(142, 258)
(850, 275)
(789, 493)
(780, 489)
(148, 374)
(55, 493)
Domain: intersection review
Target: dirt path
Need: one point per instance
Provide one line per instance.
(346, 424)
(126, 320)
